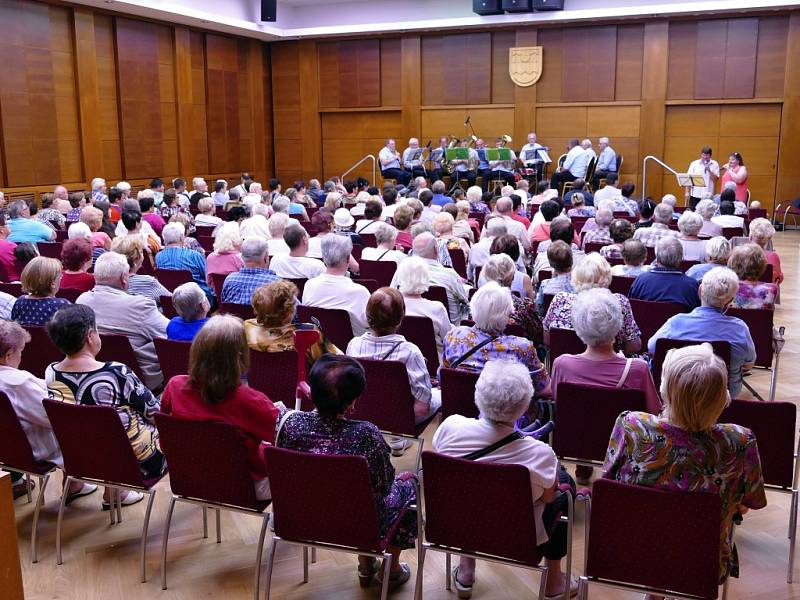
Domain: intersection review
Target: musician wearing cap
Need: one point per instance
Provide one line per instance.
(606, 162)
(503, 169)
(389, 159)
(530, 157)
(436, 170)
(412, 159)
(465, 168)
(484, 171)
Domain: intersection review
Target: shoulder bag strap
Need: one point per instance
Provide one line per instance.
(473, 350)
(625, 372)
(282, 422)
(384, 254)
(516, 435)
(392, 349)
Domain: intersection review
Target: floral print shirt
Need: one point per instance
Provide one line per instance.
(647, 450)
(559, 315)
(611, 251)
(755, 295)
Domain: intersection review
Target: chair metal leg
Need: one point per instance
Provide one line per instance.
(37, 509)
(61, 519)
(270, 565)
(28, 487)
(387, 573)
(420, 568)
(205, 522)
(305, 564)
(792, 536)
(164, 543)
(543, 584)
(313, 555)
(420, 443)
(119, 507)
(569, 519)
(219, 527)
(145, 526)
(259, 555)
(588, 515)
(583, 588)
(447, 570)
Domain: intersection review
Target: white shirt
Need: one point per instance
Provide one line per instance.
(577, 161)
(728, 221)
(503, 165)
(516, 229)
(334, 291)
(607, 160)
(278, 246)
(382, 254)
(608, 192)
(387, 155)
(536, 157)
(26, 393)
(146, 230)
(457, 291)
(315, 247)
(202, 219)
(6, 304)
(698, 168)
(366, 225)
(296, 267)
(479, 255)
(255, 226)
(458, 436)
(422, 307)
(429, 213)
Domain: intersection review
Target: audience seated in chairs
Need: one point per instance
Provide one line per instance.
(135, 317)
(560, 229)
(92, 217)
(227, 256)
(761, 232)
(709, 322)
(665, 282)
(707, 209)
(480, 252)
(540, 231)
(677, 449)
(213, 391)
(336, 382)
(276, 225)
(40, 279)
(386, 239)
(81, 379)
(503, 394)
(559, 257)
(295, 264)
(239, 286)
(502, 271)
(507, 244)
(443, 224)
(579, 206)
(463, 226)
(333, 289)
(471, 348)
(634, 253)
(749, 263)
(192, 306)
(176, 256)
(272, 330)
(373, 210)
(385, 311)
(659, 228)
(602, 234)
(139, 284)
(689, 224)
(592, 272)
(76, 258)
(620, 231)
(718, 250)
(413, 280)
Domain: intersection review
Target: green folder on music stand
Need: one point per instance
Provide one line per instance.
(456, 153)
(498, 154)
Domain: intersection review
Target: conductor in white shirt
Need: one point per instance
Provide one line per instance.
(709, 169)
(413, 165)
(389, 159)
(574, 167)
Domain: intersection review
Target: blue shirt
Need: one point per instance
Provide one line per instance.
(28, 230)
(665, 285)
(441, 199)
(36, 312)
(183, 258)
(697, 272)
(295, 208)
(239, 287)
(184, 331)
(709, 324)
(482, 162)
(607, 161)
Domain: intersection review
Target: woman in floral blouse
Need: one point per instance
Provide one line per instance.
(749, 263)
(592, 272)
(685, 449)
(501, 269)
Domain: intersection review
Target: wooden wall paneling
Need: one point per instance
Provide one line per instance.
(788, 176)
(548, 88)
(243, 127)
(392, 57)
(261, 122)
(410, 93)
(328, 57)
(630, 51)
(555, 126)
(590, 64)
(289, 144)
(502, 86)
(349, 136)
(652, 116)
(771, 56)
(310, 125)
(107, 99)
(454, 69)
(524, 97)
(709, 69)
(433, 64)
(489, 123)
(167, 97)
(87, 72)
(269, 129)
(621, 125)
(681, 59)
(740, 58)
(184, 103)
(199, 137)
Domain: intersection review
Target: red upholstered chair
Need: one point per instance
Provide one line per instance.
(760, 322)
(173, 356)
(243, 311)
(564, 341)
(167, 307)
(651, 255)
(544, 274)
(458, 392)
(275, 374)
(511, 328)
(650, 316)
(15, 289)
(370, 284)
(118, 348)
(108, 460)
(206, 242)
(766, 276)
(547, 301)
(459, 261)
(39, 352)
(334, 323)
(732, 232)
(685, 561)
(147, 267)
(369, 240)
(381, 271)
(205, 230)
(685, 265)
(217, 281)
(664, 345)
(419, 331)
(70, 294)
(301, 284)
(16, 455)
(438, 294)
(774, 425)
(337, 513)
(593, 247)
(578, 223)
(357, 249)
(460, 521)
(172, 278)
(621, 285)
(208, 467)
(50, 249)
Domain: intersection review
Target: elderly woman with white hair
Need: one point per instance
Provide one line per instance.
(503, 395)
(227, 257)
(689, 224)
(413, 280)
(176, 256)
(761, 232)
(682, 447)
(207, 215)
(501, 269)
(707, 209)
(592, 272)
(192, 307)
(443, 224)
(718, 249)
(709, 322)
(463, 224)
(475, 199)
(472, 347)
(386, 239)
(277, 225)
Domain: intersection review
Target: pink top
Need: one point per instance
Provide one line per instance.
(741, 188)
(100, 240)
(774, 260)
(155, 221)
(224, 263)
(7, 261)
(574, 368)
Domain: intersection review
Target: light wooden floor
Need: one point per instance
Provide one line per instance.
(101, 562)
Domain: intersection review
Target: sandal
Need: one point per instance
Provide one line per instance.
(131, 498)
(366, 574)
(88, 488)
(464, 591)
(397, 578)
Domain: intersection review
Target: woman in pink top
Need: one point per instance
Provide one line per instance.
(761, 232)
(736, 172)
(226, 257)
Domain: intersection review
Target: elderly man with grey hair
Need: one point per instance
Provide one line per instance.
(662, 217)
(708, 209)
(425, 247)
(118, 312)
(192, 307)
(665, 282)
(709, 322)
(177, 257)
(257, 223)
(25, 229)
(479, 254)
(295, 264)
(239, 286)
(602, 234)
(334, 289)
(277, 224)
(504, 208)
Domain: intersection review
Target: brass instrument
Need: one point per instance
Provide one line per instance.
(454, 141)
(473, 140)
(505, 139)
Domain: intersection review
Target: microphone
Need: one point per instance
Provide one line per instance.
(467, 121)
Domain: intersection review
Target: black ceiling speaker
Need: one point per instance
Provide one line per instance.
(268, 10)
(518, 6)
(540, 5)
(487, 7)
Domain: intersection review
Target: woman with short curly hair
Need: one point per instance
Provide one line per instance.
(749, 263)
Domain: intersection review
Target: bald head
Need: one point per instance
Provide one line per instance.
(504, 205)
(424, 246)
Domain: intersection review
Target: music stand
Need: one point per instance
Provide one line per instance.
(456, 154)
(690, 180)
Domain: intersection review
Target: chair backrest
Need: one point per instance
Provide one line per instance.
(205, 230)
(167, 307)
(381, 271)
(774, 425)
(369, 240)
(274, 374)
(338, 503)
(458, 392)
(564, 341)
(766, 276)
(755, 213)
(301, 284)
(585, 416)
(173, 356)
(547, 300)
(206, 242)
(15, 289)
(39, 352)
(243, 311)
(70, 294)
(172, 278)
(459, 261)
(334, 322)
(664, 345)
(207, 461)
(458, 517)
(544, 274)
(732, 232)
(686, 557)
(651, 255)
(117, 347)
(93, 443)
(650, 315)
(759, 321)
(15, 449)
(147, 267)
(685, 265)
(621, 285)
(419, 331)
(50, 249)
(370, 284)
(511, 328)
(217, 281)
(594, 247)
(578, 223)
(386, 401)
(438, 294)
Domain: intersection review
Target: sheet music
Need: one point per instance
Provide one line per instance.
(544, 156)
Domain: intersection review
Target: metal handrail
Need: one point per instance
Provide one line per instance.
(355, 166)
(644, 171)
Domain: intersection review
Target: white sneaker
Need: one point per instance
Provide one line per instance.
(399, 446)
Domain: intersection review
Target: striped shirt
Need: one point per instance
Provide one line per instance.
(147, 286)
